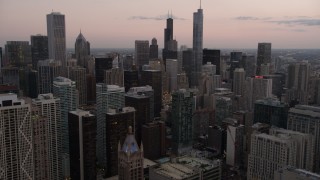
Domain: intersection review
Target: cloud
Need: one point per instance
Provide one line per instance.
(303, 22)
(299, 30)
(287, 20)
(157, 18)
(251, 18)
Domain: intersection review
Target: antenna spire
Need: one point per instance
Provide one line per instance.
(168, 14)
(200, 4)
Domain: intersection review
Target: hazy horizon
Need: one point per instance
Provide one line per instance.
(228, 24)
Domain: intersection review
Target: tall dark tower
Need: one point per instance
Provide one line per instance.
(264, 55)
(170, 45)
(168, 32)
(197, 46)
(153, 49)
(39, 49)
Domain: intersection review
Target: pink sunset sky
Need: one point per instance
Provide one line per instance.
(117, 23)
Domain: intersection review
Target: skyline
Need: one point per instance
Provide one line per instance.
(227, 24)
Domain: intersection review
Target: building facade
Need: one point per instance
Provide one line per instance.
(56, 31)
(16, 158)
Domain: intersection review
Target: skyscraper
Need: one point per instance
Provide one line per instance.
(235, 135)
(17, 54)
(153, 49)
(39, 49)
(82, 50)
(130, 159)
(223, 109)
(153, 139)
(56, 30)
(114, 76)
(271, 111)
(102, 64)
(183, 106)
(172, 72)
(117, 122)
(280, 148)
(47, 71)
(248, 63)
(66, 90)
(297, 81)
(264, 55)
(238, 81)
(213, 56)
(78, 75)
(141, 53)
(49, 107)
(170, 45)
(82, 138)
(153, 78)
(108, 96)
(306, 119)
(197, 46)
(16, 157)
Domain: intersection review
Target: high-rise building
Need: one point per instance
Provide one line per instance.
(108, 96)
(11, 76)
(172, 72)
(223, 109)
(56, 30)
(239, 81)
(213, 56)
(197, 47)
(114, 76)
(297, 81)
(16, 157)
(141, 53)
(187, 63)
(257, 88)
(153, 78)
(182, 81)
(39, 49)
(306, 119)
(264, 55)
(66, 90)
(130, 159)
(142, 99)
(78, 75)
(117, 123)
(278, 82)
(82, 138)
(281, 148)
(131, 79)
(82, 50)
(48, 107)
(1, 58)
(102, 64)
(47, 71)
(17, 54)
(235, 58)
(154, 49)
(183, 106)
(170, 45)
(248, 63)
(153, 139)
(40, 146)
(271, 111)
(235, 140)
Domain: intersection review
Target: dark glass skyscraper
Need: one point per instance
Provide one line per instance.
(197, 46)
(264, 55)
(82, 138)
(153, 49)
(56, 29)
(170, 46)
(213, 56)
(39, 49)
(17, 53)
(102, 64)
(82, 50)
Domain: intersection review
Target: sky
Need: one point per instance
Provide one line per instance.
(236, 24)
